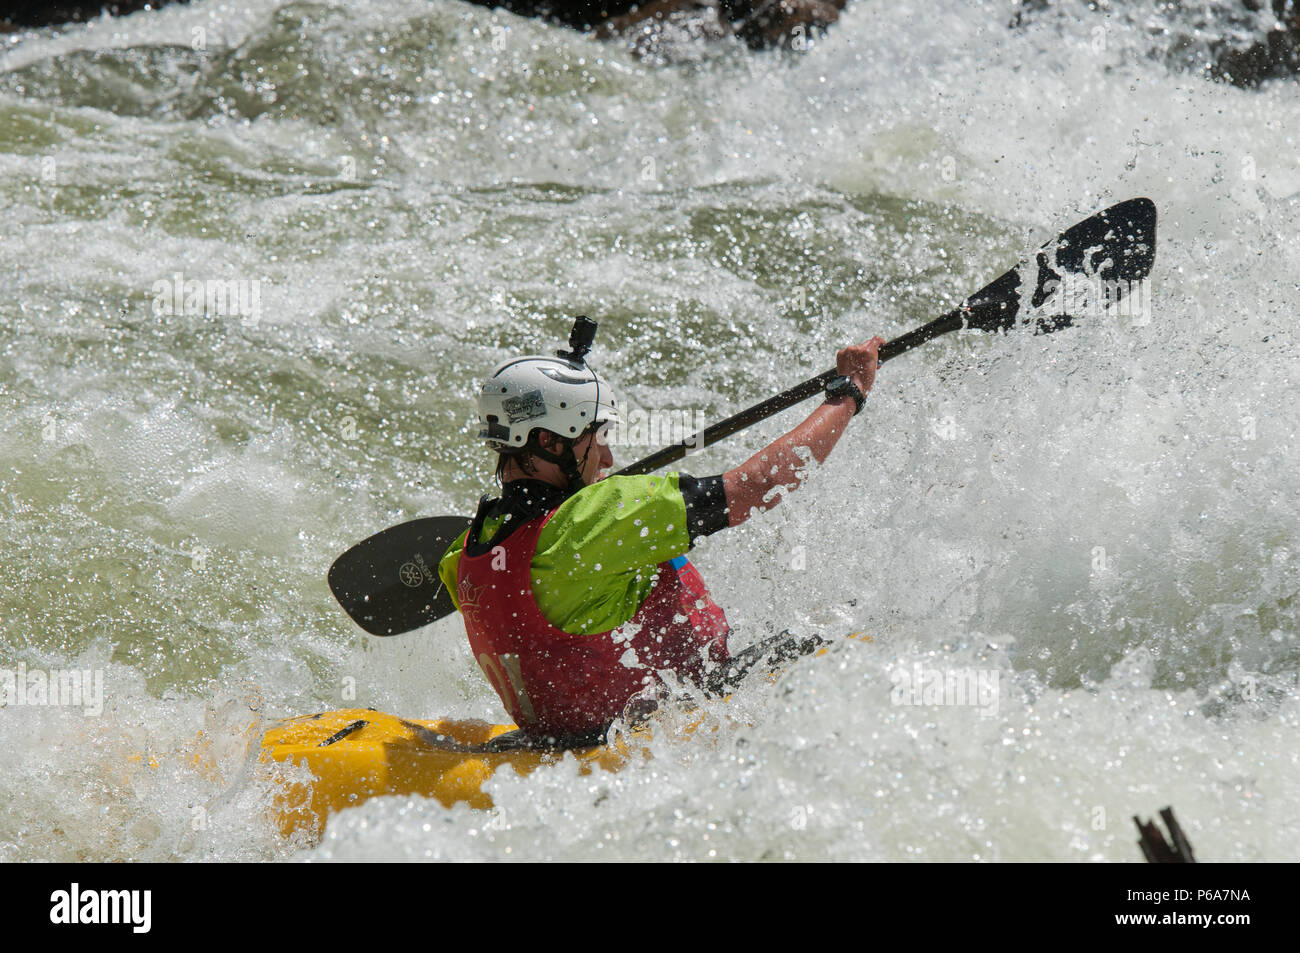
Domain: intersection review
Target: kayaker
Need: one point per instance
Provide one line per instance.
(576, 590)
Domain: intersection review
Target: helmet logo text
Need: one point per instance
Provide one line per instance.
(525, 406)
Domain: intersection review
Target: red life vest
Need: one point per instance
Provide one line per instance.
(557, 684)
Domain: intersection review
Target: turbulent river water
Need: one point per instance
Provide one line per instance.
(396, 195)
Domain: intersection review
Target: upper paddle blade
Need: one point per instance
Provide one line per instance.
(389, 582)
(1094, 264)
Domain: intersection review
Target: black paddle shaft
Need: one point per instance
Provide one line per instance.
(388, 583)
(1116, 247)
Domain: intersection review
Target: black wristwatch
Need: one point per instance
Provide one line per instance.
(840, 386)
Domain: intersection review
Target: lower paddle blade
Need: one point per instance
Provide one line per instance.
(1098, 262)
(389, 582)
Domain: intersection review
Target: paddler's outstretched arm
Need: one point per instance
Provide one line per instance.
(778, 465)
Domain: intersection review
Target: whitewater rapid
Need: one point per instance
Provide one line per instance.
(1106, 519)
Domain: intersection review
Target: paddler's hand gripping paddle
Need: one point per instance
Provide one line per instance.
(389, 582)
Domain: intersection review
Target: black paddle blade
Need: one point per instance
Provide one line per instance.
(389, 582)
(1095, 264)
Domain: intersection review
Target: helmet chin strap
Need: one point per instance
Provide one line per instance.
(567, 461)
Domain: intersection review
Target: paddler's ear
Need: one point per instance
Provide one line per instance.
(550, 442)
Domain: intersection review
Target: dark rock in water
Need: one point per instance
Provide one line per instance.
(1275, 56)
(762, 24)
(1245, 42)
(33, 13)
(667, 29)
(759, 23)
(579, 14)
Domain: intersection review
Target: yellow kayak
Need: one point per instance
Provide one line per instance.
(355, 754)
(358, 753)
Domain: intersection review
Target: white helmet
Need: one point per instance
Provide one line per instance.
(552, 393)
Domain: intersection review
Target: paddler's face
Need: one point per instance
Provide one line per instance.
(593, 454)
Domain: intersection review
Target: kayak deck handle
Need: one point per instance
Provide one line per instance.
(343, 733)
